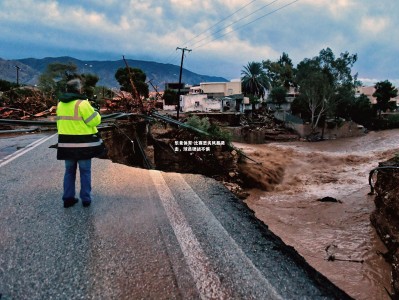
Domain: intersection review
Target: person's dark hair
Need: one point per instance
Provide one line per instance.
(74, 86)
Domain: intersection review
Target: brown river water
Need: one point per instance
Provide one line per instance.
(336, 238)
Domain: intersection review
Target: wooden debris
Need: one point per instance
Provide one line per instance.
(329, 199)
(25, 103)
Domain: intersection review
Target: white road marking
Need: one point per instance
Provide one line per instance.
(207, 281)
(194, 198)
(22, 151)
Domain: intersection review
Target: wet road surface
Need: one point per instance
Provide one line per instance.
(147, 235)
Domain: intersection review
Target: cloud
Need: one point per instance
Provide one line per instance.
(374, 25)
(335, 8)
(222, 38)
(373, 81)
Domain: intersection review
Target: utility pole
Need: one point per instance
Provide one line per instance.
(181, 70)
(18, 68)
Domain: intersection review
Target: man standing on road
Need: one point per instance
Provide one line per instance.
(78, 141)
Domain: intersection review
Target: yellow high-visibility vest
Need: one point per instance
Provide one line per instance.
(77, 117)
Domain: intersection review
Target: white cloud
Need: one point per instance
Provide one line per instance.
(374, 25)
(154, 28)
(337, 7)
(191, 5)
(373, 81)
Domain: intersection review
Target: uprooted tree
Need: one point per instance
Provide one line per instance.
(123, 76)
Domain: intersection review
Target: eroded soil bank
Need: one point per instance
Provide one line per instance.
(168, 149)
(336, 238)
(385, 218)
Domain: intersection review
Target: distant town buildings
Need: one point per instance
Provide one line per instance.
(211, 97)
(369, 91)
(228, 97)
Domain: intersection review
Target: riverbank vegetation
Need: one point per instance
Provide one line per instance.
(324, 90)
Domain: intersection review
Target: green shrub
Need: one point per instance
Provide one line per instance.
(201, 124)
(212, 129)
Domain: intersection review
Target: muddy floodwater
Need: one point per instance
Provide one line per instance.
(336, 238)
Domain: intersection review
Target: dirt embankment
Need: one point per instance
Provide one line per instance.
(386, 216)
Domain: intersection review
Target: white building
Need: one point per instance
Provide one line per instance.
(221, 89)
(199, 103)
(211, 97)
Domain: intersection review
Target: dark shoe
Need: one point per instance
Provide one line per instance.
(70, 202)
(86, 203)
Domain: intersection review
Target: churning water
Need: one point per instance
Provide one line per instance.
(336, 238)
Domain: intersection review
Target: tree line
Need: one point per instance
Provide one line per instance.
(52, 83)
(325, 85)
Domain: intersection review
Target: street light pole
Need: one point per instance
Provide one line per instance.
(181, 71)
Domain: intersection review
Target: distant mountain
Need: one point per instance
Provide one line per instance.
(159, 73)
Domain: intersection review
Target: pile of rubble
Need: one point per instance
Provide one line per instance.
(124, 101)
(25, 103)
(261, 128)
(262, 119)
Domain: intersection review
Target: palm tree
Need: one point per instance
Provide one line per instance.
(254, 80)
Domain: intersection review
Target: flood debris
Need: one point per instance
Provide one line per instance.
(332, 256)
(22, 114)
(261, 127)
(329, 199)
(25, 103)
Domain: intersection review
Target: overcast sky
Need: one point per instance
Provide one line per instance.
(224, 35)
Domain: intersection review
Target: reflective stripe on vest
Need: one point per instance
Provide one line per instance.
(79, 145)
(93, 115)
(76, 116)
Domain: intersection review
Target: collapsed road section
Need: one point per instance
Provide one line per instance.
(155, 141)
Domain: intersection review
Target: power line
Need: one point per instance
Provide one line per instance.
(169, 57)
(214, 25)
(259, 9)
(236, 29)
(233, 30)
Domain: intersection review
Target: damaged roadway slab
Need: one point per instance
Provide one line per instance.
(147, 235)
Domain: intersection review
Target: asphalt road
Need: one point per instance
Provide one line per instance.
(147, 235)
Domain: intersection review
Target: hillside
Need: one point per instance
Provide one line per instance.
(158, 73)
